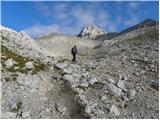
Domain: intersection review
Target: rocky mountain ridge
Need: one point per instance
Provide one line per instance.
(99, 34)
(91, 32)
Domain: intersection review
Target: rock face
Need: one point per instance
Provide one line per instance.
(21, 43)
(91, 32)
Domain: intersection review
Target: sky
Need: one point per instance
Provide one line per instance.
(69, 17)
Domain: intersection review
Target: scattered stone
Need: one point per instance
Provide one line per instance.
(16, 68)
(60, 108)
(155, 84)
(29, 65)
(87, 110)
(84, 84)
(8, 115)
(68, 77)
(131, 94)
(93, 80)
(9, 63)
(114, 110)
(67, 70)
(103, 98)
(110, 80)
(25, 114)
(114, 90)
(121, 84)
(61, 65)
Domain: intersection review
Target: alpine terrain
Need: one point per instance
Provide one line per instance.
(115, 76)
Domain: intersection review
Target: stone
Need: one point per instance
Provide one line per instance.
(29, 65)
(122, 104)
(67, 70)
(93, 80)
(103, 98)
(106, 92)
(25, 114)
(87, 110)
(16, 68)
(9, 63)
(123, 77)
(60, 108)
(114, 90)
(131, 94)
(8, 115)
(114, 110)
(61, 65)
(68, 77)
(110, 80)
(155, 84)
(84, 84)
(121, 84)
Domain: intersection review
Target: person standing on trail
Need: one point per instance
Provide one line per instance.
(74, 52)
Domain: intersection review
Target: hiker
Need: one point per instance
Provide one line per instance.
(74, 52)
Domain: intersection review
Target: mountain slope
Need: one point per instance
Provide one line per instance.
(144, 24)
(60, 45)
(117, 78)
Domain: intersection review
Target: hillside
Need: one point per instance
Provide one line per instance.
(113, 79)
(60, 45)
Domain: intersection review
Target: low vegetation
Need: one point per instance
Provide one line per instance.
(21, 61)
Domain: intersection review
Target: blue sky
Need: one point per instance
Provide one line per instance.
(39, 18)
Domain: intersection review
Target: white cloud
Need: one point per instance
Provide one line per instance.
(39, 30)
(133, 5)
(71, 19)
(86, 17)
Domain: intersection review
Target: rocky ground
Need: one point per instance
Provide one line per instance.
(118, 79)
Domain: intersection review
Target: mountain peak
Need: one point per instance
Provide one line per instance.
(91, 32)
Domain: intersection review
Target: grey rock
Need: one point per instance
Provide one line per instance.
(67, 70)
(155, 84)
(29, 65)
(114, 110)
(60, 108)
(93, 80)
(9, 63)
(114, 90)
(26, 114)
(84, 84)
(131, 93)
(68, 77)
(87, 110)
(121, 84)
(61, 65)
(8, 115)
(110, 80)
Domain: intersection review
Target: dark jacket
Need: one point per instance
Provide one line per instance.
(74, 51)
